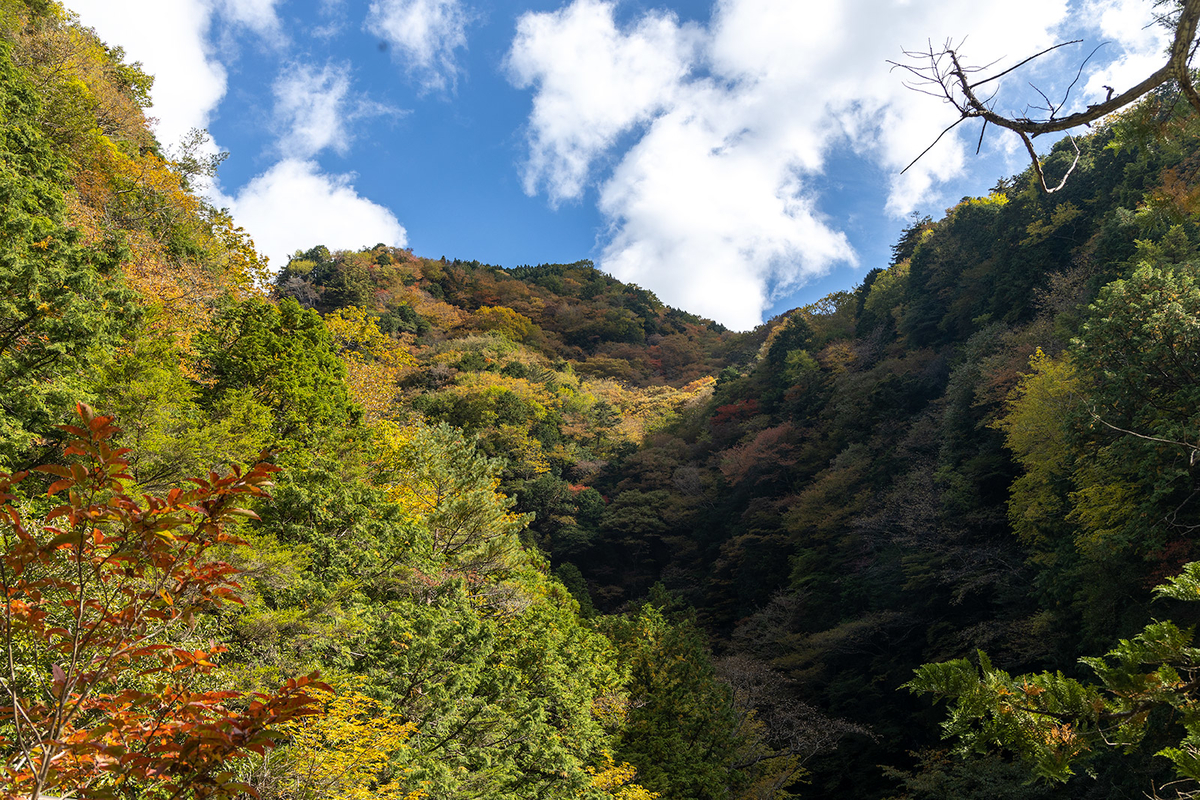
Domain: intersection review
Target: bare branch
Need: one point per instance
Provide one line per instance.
(1078, 75)
(1193, 448)
(1037, 164)
(1049, 107)
(943, 75)
(1020, 64)
(935, 141)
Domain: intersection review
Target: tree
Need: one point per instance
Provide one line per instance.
(375, 362)
(60, 302)
(283, 357)
(681, 731)
(944, 74)
(1056, 724)
(444, 484)
(1106, 436)
(103, 678)
(504, 320)
(777, 733)
(343, 753)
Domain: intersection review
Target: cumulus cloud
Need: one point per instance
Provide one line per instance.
(294, 205)
(171, 41)
(1141, 48)
(715, 219)
(593, 83)
(309, 107)
(425, 35)
(703, 142)
(314, 109)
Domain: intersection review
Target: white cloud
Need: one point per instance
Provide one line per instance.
(309, 107)
(314, 109)
(426, 34)
(715, 221)
(1141, 49)
(703, 142)
(171, 41)
(593, 82)
(295, 206)
(257, 15)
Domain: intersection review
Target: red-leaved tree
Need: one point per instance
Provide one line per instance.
(102, 680)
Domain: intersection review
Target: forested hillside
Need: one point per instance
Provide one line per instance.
(375, 525)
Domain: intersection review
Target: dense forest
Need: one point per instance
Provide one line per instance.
(383, 526)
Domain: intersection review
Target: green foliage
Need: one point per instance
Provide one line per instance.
(282, 356)
(681, 731)
(1047, 719)
(838, 507)
(942, 776)
(109, 690)
(1057, 723)
(1034, 432)
(572, 580)
(61, 304)
(406, 570)
(439, 478)
(163, 423)
(1142, 345)
(1103, 435)
(884, 299)
(502, 694)
(795, 334)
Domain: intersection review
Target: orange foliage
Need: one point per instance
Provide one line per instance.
(772, 446)
(99, 596)
(440, 314)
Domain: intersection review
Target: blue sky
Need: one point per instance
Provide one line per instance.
(737, 157)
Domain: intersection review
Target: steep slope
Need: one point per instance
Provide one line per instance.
(520, 508)
(387, 559)
(881, 487)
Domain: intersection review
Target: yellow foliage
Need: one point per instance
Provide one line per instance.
(1034, 432)
(375, 362)
(450, 492)
(534, 395)
(440, 314)
(646, 410)
(421, 492)
(505, 321)
(522, 448)
(994, 200)
(348, 752)
(888, 290)
(1101, 506)
(243, 268)
(616, 780)
(122, 186)
(1036, 407)
(1039, 230)
(837, 356)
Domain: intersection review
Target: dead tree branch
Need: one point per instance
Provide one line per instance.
(943, 74)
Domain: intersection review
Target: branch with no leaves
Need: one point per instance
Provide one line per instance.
(943, 74)
(1193, 449)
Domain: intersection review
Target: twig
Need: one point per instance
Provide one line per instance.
(935, 141)
(952, 84)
